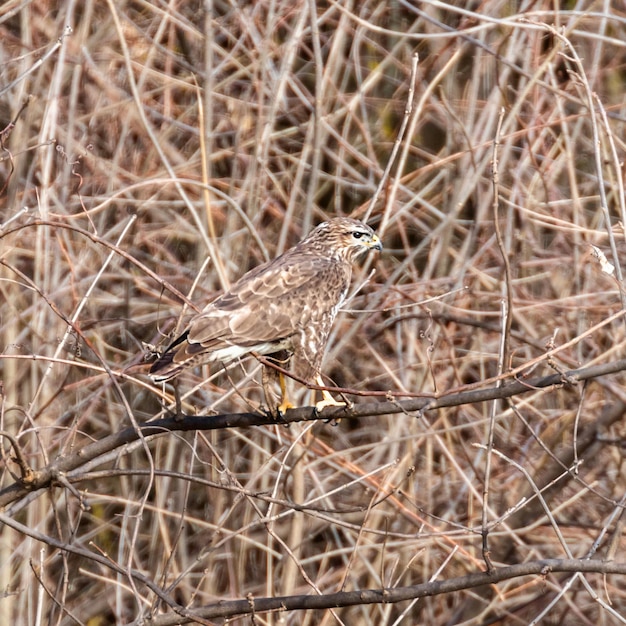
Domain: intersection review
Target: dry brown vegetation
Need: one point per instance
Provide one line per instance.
(156, 152)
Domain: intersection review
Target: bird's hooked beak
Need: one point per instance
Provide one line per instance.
(375, 243)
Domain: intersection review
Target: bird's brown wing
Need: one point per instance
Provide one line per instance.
(271, 303)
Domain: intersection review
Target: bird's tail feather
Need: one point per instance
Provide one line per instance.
(164, 368)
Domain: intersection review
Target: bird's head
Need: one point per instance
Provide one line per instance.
(345, 237)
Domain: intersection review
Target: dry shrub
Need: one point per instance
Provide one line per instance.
(158, 151)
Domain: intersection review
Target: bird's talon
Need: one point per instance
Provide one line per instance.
(328, 402)
(323, 404)
(279, 412)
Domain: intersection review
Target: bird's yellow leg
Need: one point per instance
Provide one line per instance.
(327, 399)
(284, 400)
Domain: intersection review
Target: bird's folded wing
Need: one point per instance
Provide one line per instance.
(271, 303)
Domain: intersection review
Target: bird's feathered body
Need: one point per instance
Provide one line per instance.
(288, 304)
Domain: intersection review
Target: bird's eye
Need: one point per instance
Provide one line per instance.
(357, 234)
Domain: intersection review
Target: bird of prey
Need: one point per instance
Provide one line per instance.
(288, 304)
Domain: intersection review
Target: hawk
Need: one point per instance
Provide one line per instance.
(288, 304)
